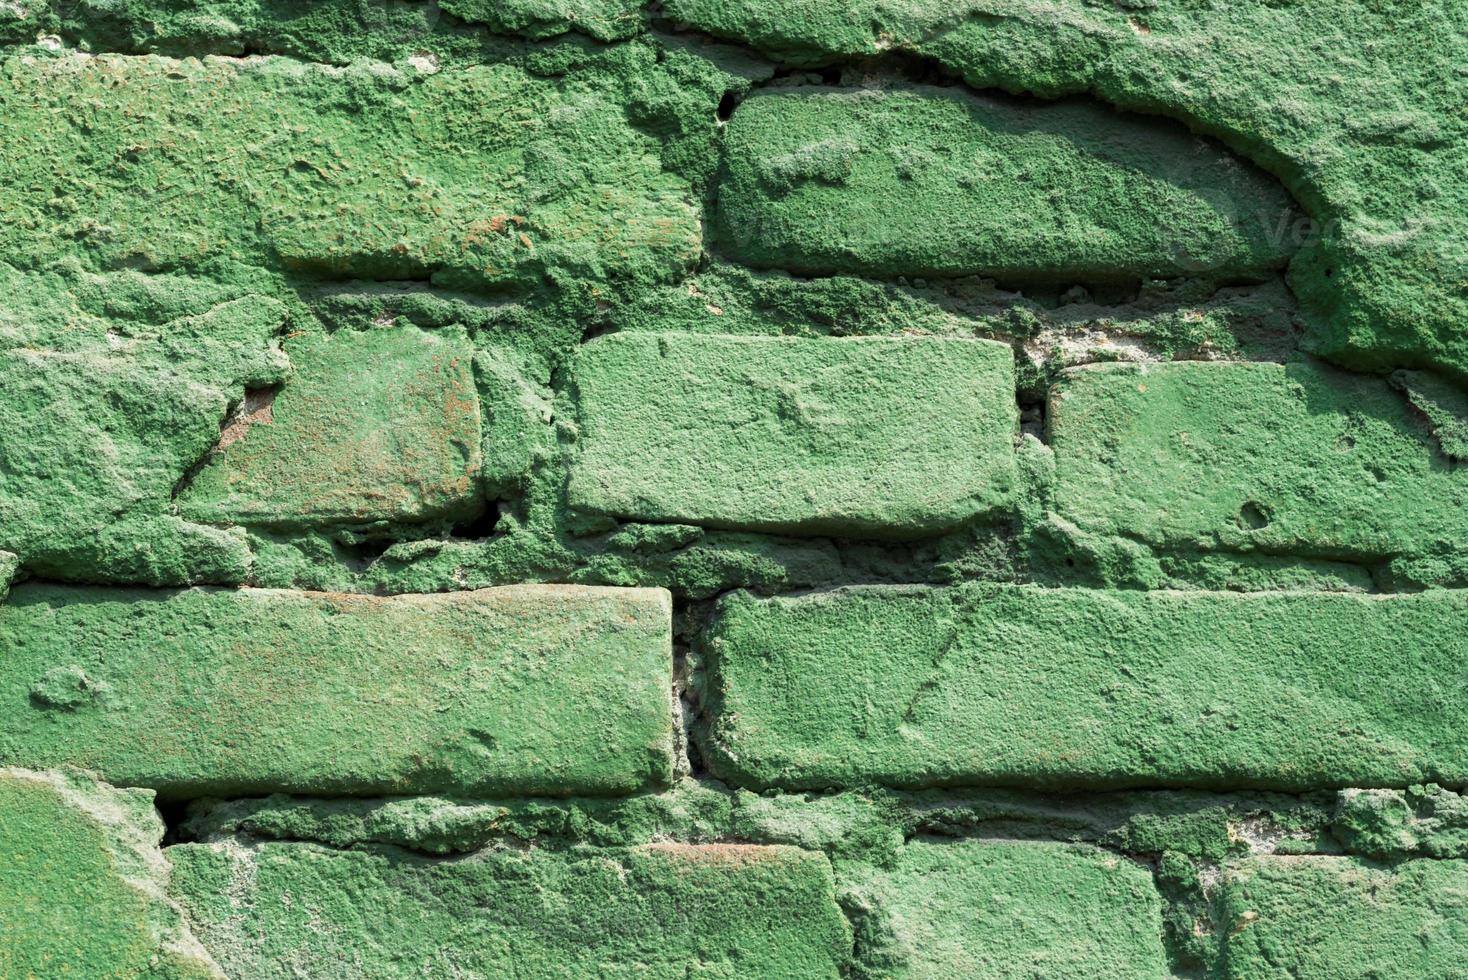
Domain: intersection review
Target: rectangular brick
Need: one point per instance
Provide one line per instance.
(886, 182)
(1018, 685)
(93, 443)
(550, 690)
(1008, 909)
(665, 910)
(482, 176)
(1292, 458)
(1342, 918)
(863, 436)
(373, 425)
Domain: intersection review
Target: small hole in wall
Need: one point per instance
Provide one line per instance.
(174, 813)
(1032, 416)
(364, 553)
(477, 528)
(727, 105)
(1252, 517)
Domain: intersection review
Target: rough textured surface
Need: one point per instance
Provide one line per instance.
(864, 437)
(466, 177)
(1387, 823)
(1071, 687)
(285, 910)
(1005, 909)
(82, 884)
(540, 690)
(107, 397)
(928, 182)
(1283, 458)
(1351, 105)
(374, 426)
(1045, 418)
(1345, 919)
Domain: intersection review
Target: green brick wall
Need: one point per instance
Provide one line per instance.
(733, 489)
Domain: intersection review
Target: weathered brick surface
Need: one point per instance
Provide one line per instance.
(82, 884)
(1012, 909)
(1284, 458)
(1016, 685)
(93, 443)
(545, 690)
(399, 173)
(657, 910)
(890, 437)
(1341, 918)
(567, 488)
(931, 182)
(379, 425)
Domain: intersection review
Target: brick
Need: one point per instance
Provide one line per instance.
(93, 443)
(605, 20)
(283, 910)
(1009, 909)
(550, 690)
(480, 177)
(374, 425)
(1062, 688)
(868, 436)
(1342, 918)
(1280, 458)
(82, 883)
(926, 182)
(515, 426)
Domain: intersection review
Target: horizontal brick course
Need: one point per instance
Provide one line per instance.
(1017, 685)
(736, 911)
(549, 690)
(928, 181)
(868, 436)
(359, 173)
(1290, 458)
(1011, 909)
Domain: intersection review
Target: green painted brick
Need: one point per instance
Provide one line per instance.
(9, 565)
(1079, 688)
(477, 177)
(516, 412)
(604, 20)
(92, 444)
(925, 182)
(375, 425)
(1282, 458)
(1356, 107)
(547, 690)
(665, 910)
(1008, 910)
(82, 884)
(1342, 918)
(864, 436)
